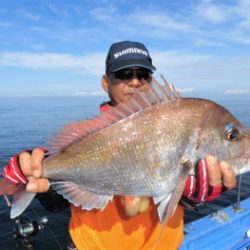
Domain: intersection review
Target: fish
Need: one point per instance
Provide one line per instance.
(145, 147)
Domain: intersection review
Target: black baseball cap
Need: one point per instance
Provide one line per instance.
(127, 54)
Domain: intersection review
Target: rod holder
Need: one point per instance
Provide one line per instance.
(237, 207)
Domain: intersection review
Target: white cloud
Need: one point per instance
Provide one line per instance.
(87, 93)
(181, 68)
(103, 13)
(27, 14)
(243, 10)
(202, 70)
(210, 23)
(177, 58)
(55, 9)
(89, 64)
(207, 24)
(186, 90)
(237, 91)
(214, 13)
(160, 21)
(236, 16)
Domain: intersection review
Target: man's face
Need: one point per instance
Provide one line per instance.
(120, 85)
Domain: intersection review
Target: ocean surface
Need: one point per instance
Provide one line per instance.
(28, 122)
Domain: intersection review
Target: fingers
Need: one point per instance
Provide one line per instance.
(214, 171)
(229, 178)
(31, 166)
(220, 173)
(131, 205)
(135, 205)
(144, 204)
(36, 162)
(25, 163)
(40, 185)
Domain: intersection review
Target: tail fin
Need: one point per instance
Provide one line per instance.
(21, 198)
(21, 201)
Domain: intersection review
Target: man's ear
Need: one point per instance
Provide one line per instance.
(105, 83)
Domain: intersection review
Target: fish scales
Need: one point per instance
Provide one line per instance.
(138, 155)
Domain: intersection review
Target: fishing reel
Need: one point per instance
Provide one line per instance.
(25, 230)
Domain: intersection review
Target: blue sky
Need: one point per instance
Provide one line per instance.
(58, 47)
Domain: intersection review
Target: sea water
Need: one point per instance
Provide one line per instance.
(28, 122)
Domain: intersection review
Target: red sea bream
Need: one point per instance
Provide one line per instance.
(146, 147)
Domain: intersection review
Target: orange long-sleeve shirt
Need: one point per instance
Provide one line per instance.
(113, 230)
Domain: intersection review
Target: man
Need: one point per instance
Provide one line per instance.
(126, 222)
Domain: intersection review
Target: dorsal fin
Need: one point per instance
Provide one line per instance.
(157, 93)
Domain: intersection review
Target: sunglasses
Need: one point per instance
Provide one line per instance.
(127, 74)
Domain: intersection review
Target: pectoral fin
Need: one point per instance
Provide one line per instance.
(169, 203)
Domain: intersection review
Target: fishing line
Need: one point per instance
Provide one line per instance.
(50, 230)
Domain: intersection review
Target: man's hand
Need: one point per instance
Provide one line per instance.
(220, 173)
(211, 179)
(27, 168)
(31, 166)
(135, 205)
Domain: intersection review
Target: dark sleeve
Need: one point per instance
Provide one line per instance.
(52, 201)
(192, 205)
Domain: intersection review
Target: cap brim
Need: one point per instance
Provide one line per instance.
(131, 63)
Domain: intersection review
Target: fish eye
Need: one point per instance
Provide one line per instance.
(232, 133)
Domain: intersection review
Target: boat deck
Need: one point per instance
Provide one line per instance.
(225, 229)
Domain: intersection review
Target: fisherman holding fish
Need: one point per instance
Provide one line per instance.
(126, 222)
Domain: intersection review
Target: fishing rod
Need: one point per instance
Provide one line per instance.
(51, 232)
